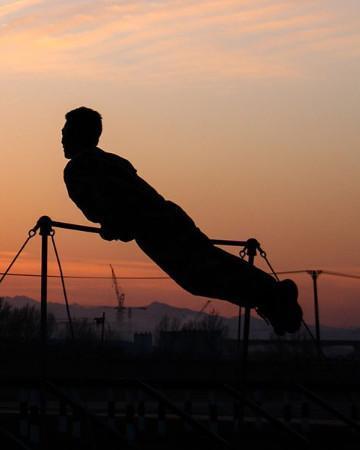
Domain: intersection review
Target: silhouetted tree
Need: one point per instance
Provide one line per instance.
(166, 323)
(23, 323)
(84, 330)
(212, 323)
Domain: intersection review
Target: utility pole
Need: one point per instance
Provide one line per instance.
(314, 275)
(101, 321)
(102, 329)
(239, 329)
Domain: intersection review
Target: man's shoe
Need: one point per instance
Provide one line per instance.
(282, 309)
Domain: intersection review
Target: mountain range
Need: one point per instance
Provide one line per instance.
(147, 318)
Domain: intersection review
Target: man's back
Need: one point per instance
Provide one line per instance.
(108, 190)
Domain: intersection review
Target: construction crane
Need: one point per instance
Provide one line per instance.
(120, 295)
(197, 315)
(205, 305)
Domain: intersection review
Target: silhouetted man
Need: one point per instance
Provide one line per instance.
(108, 191)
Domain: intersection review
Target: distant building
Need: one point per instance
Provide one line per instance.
(143, 343)
(191, 342)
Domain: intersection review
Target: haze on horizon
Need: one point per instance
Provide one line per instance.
(243, 112)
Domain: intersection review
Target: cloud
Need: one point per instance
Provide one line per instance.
(30, 264)
(17, 6)
(174, 40)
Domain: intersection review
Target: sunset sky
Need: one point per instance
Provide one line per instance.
(244, 112)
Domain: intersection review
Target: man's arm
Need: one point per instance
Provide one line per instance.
(87, 192)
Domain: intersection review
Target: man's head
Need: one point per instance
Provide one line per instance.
(81, 131)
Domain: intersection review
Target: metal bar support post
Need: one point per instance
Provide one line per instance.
(44, 224)
(251, 248)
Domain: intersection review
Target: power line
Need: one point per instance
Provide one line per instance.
(339, 274)
(322, 272)
(288, 272)
(94, 277)
(35, 275)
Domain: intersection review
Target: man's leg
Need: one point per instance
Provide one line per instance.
(211, 272)
(203, 269)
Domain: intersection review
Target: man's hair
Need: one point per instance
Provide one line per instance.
(87, 123)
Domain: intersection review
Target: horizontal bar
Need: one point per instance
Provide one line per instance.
(87, 229)
(227, 242)
(71, 226)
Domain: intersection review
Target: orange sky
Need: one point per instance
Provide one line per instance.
(244, 112)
